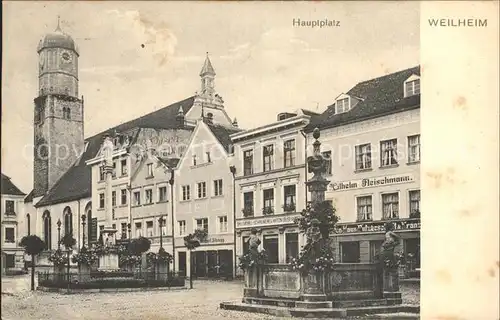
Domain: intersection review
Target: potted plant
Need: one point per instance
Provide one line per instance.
(247, 211)
(267, 210)
(289, 207)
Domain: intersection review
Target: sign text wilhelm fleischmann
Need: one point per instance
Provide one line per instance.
(324, 23)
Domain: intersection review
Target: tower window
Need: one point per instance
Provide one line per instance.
(66, 113)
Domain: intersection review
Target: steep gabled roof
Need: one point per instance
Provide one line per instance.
(223, 135)
(76, 183)
(380, 96)
(9, 188)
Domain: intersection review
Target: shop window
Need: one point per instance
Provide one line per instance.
(375, 249)
(245, 245)
(270, 244)
(10, 260)
(292, 246)
(349, 252)
(412, 253)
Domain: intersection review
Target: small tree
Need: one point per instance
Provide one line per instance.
(33, 246)
(193, 241)
(138, 246)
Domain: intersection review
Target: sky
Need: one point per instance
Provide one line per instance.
(138, 57)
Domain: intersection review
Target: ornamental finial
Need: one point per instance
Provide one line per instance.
(58, 24)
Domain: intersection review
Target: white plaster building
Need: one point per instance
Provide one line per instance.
(13, 229)
(371, 135)
(270, 184)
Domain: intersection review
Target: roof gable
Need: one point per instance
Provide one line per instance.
(9, 188)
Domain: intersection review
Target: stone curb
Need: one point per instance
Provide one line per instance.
(107, 290)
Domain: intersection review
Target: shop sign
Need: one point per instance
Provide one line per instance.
(378, 226)
(370, 182)
(266, 221)
(213, 240)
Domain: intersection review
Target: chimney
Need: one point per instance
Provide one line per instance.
(235, 123)
(180, 117)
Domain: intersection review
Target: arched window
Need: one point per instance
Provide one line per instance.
(90, 233)
(47, 230)
(28, 224)
(68, 221)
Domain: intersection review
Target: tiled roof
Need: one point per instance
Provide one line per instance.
(380, 96)
(76, 183)
(9, 188)
(222, 134)
(170, 162)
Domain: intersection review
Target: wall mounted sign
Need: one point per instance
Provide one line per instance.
(370, 182)
(377, 226)
(266, 221)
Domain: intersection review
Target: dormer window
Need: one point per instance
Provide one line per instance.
(412, 86)
(342, 105)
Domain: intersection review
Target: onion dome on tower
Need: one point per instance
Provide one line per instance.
(57, 39)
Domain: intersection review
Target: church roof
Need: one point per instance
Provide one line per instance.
(379, 97)
(207, 67)
(9, 188)
(76, 183)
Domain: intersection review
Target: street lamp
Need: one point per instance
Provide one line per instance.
(233, 171)
(84, 220)
(171, 182)
(129, 228)
(58, 234)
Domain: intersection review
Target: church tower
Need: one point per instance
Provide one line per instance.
(207, 75)
(58, 121)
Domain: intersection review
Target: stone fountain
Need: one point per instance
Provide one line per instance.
(346, 289)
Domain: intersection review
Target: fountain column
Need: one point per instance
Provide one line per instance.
(314, 282)
(109, 260)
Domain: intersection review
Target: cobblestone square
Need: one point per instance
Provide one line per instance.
(18, 303)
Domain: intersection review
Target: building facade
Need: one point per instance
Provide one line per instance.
(12, 204)
(371, 137)
(204, 192)
(270, 184)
